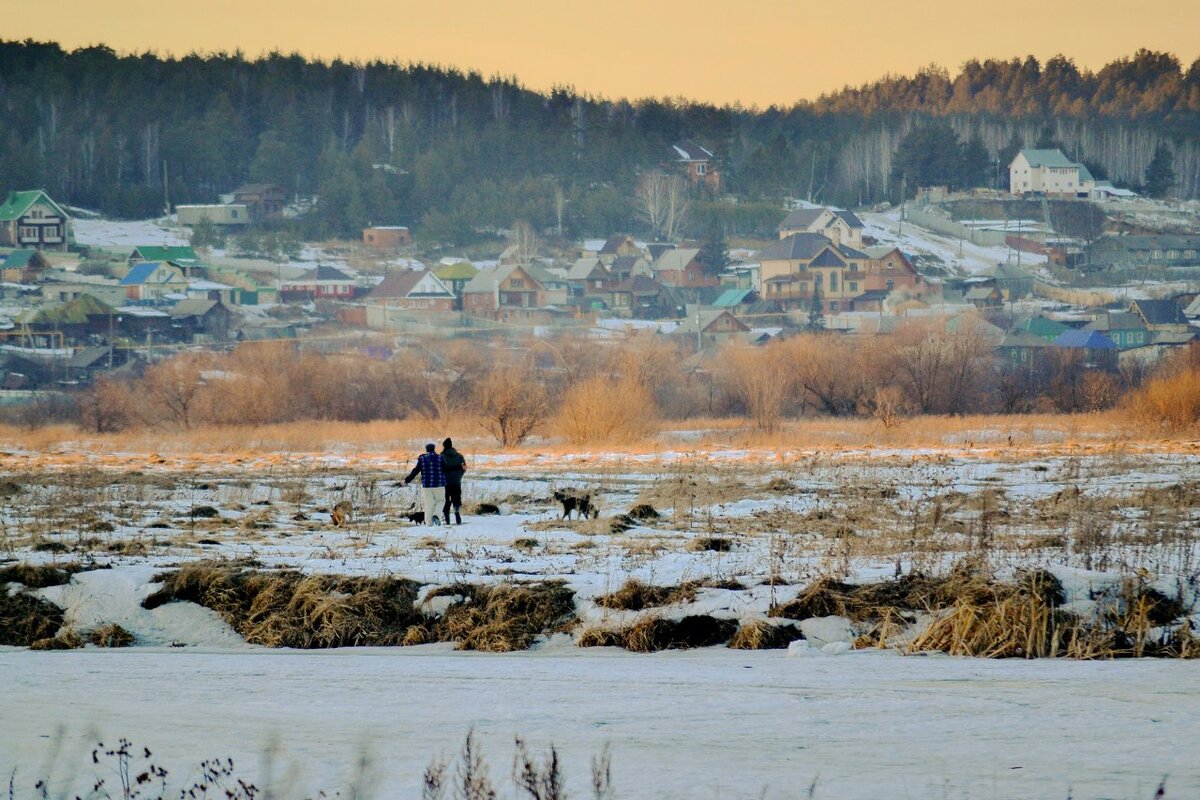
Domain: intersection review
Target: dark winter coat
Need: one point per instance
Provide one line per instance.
(454, 465)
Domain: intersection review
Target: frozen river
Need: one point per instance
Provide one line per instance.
(711, 723)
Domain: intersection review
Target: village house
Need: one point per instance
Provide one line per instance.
(152, 281)
(795, 267)
(182, 256)
(587, 276)
(498, 292)
(414, 290)
(618, 244)
(1049, 173)
(387, 237)
(622, 268)
(23, 266)
(224, 214)
(197, 321)
(643, 297)
(888, 269)
(710, 327)
(840, 227)
(1125, 328)
(1138, 252)
(698, 163)
(30, 219)
(1160, 315)
(681, 268)
(322, 283)
(262, 200)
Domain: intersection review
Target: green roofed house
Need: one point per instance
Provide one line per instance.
(179, 255)
(456, 276)
(1049, 173)
(31, 219)
(23, 265)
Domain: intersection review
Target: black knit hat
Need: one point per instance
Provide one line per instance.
(447, 443)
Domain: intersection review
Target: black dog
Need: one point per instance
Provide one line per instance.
(415, 517)
(577, 501)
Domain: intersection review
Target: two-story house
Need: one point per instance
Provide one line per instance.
(888, 269)
(840, 227)
(681, 268)
(698, 163)
(262, 200)
(32, 220)
(322, 283)
(502, 290)
(1050, 173)
(795, 268)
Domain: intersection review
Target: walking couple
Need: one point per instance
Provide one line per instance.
(441, 482)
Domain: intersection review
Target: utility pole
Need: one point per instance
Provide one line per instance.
(166, 197)
(903, 192)
(699, 337)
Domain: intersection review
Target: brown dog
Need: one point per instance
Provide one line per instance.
(341, 513)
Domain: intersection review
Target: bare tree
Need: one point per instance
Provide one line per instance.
(512, 403)
(759, 377)
(663, 203)
(524, 240)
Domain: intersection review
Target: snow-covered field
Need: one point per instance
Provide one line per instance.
(711, 722)
(885, 227)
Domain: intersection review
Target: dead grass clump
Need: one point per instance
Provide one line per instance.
(111, 635)
(526, 543)
(643, 512)
(655, 633)
(504, 618)
(290, 609)
(24, 618)
(10, 488)
(204, 512)
(635, 595)
(39, 576)
(715, 544)
(762, 635)
(779, 486)
(872, 601)
(485, 509)
(1017, 625)
(600, 637)
(65, 640)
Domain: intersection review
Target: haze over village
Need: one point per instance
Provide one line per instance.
(372, 419)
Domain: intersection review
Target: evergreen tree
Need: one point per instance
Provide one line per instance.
(206, 234)
(816, 310)
(1160, 174)
(714, 253)
(929, 155)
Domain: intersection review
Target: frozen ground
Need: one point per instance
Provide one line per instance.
(913, 239)
(117, 234)
(698, 724)
(710, 723)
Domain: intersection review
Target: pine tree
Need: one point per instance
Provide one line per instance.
(816, 310)
(1160, 174)
(714, 253)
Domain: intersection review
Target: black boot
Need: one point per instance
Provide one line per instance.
(457, 518)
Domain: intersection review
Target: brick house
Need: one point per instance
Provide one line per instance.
(263, 200)
(387, 237)
(31, 220)
(413, 289)
(888, 269)
(698, 163)
(322, 283)
(682, 269)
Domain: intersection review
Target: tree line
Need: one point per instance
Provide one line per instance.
(455, 154)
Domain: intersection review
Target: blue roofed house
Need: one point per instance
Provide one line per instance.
(152, 281)
(31, 219)
(1099, 351)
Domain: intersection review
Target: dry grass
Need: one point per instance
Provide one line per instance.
(38, 576)
(759, 634)
(635, 595)
(111, 635)
(25, 618)
(652, 634)
(64, 640)
(500, 619)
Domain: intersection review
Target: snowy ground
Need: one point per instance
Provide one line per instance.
(697, 724)
(707, 723)
(886, 229)
(127, 235)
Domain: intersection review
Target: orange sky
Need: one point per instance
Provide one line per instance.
(756, 52)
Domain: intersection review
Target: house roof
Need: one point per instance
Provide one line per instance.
(850, 252)
(180, 254)
(75, 312)
(705, 318)
(582, 268)
(88, 356)
(257, 188)
(687, 150)
(676, 259)
(1116, 321)
(613, 244)
(1193, 310)
(1089, 340)
(1159, 312)
(801, 218)
(323, 273)
(192, 307)
(1042, 327)
(142, 272)
(731, 298)
(796, 246)
(872, 296)
(848, 217)
(488, 279)
(827, 258)
(19, 259)
(1047, 158)
(1019, 338)
(402, 282)
(460, 271)
(18, 203)
(656, 249)
(980, 292)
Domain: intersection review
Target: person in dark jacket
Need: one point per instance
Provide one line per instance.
(433, 482)
(453, 465)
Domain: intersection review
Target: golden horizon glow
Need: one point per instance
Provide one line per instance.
(753, 53)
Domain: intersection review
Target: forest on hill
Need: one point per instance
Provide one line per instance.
(450, 153)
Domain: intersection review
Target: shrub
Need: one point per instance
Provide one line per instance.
(600, 409)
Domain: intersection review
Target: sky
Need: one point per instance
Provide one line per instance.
(752, 52)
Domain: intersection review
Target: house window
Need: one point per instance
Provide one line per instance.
(517, 283)
(833, 305)
(28, 232)
(853, 286)
(701, 169)
(51, 231)
(891, 284)
(233, 213)
(833, 282)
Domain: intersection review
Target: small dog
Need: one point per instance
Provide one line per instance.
(578, 501)
(415, 517)
(341, 513)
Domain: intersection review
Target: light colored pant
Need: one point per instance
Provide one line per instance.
(433, 498)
